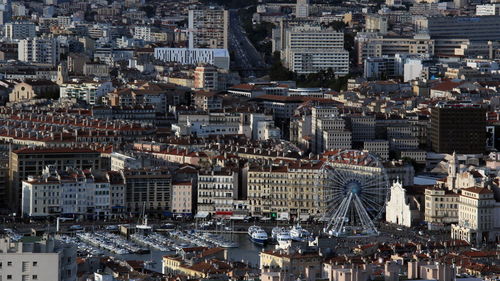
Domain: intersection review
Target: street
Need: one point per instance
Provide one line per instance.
(246, 58)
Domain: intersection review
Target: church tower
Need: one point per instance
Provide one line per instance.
(62, 73)
(452, 171)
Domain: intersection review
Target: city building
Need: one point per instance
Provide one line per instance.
(484, 28)
(37, 259)
(309, 49)
(294, 263)
(441, 206)
(302, 9)
(217, 191)
(209, 78)
(492, 9)
(369, 45)
(289, 191)
(20, 30)
(183, 199)
(72, 192)
(148, 189)
(194, 56)
(27, 162)
(89, 93)
(39, 50)
(458, 127)
(305, 61)
(208, 28)
(477, 210)
(207, 101)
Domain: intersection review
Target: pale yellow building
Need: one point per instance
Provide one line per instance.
(293, 263)
(287, 191)
(476, 215)
(441, 206)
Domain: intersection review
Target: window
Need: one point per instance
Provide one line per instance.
(9, 263)
(35, 277)
(35, 263)
(9, 277)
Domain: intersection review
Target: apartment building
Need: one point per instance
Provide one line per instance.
(20, 30)
(217, 190)
(208, 28)
(41, 50)
(337, 140)
(309, 49)
(207, 101)
(209, 78)
(441, 206)
(476, 216)
(32, 161)
(194, 56)
(38, 259)
(324, 118)
(286, 191)
(362, 127)
(492, 9)
(302, 9)
(89, 93)
(183, 198)
(369, 45)
(379, 148)
(72, 192)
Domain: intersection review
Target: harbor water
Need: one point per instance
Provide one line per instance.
(247, 252)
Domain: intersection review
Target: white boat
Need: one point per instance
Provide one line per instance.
(300, 234)
(275, 231)
(284, 239)
(257, 235)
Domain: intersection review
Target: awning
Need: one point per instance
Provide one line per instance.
(323, 218)
(237, 217)
(283, 216)
(304, 217)
(201, 215)
(224, 213)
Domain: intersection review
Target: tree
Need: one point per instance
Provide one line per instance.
(277, 71)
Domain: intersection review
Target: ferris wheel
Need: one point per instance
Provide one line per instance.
(355, 190)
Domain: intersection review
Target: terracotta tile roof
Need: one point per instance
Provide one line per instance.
(478, 190)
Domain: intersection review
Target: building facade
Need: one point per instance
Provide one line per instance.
(208, 28)
(458, 127)
(476, 216)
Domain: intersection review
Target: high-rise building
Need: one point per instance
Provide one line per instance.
(5, 11)
(458, 127)
(39, 50)
(208, 28)
(302, 9)
(484, 28)
(41, 259)
(20, 30)
(310, 49)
